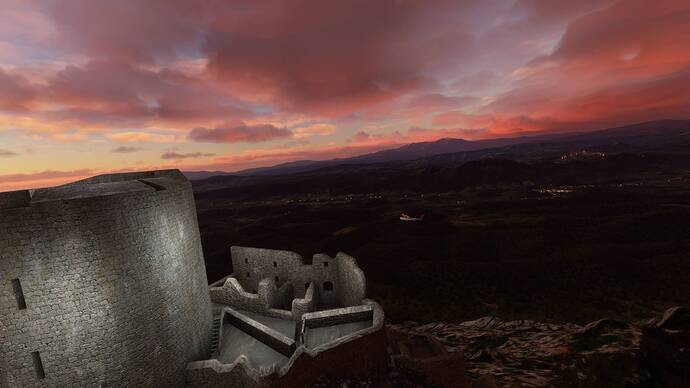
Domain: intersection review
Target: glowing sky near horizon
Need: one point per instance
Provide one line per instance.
(97, 86)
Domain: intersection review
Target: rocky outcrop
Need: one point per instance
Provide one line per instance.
(665, 347)
(604, 353)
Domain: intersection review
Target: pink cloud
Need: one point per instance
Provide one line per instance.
(15, 92)
(131, 71)
(129, 30)
(434, 102)
(632, 38)
(333, 58)
(637, 70)
(239, 134)
(123, 91)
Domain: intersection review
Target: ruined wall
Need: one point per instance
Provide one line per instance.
(360, 355)
(351, 281)
(250, 265)
(324, 270)
(112, 278)
(338, 281)
(266, 299)
(300, 306)
(232, 293)
(213, 374)
(281, 297)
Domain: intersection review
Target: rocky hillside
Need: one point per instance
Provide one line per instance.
(604, 353)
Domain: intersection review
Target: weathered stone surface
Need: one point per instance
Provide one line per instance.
(263, 333)
(105, 286)
(113, 278)
(516, 353)
(338, 281)
(14, 199)
(426, 357)
(338, 316)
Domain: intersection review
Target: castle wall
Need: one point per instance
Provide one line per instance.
(339, 316)
(361, 355)
(300, 306)
(214, 374)
(280, 297)
(338, 281)
(112, 275)
(250, 265)
(273, 338)
(351, 281)
(232, 293)
(324, 270)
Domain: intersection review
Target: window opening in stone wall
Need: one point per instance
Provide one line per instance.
(38, 365)
(277, 280)
(275, 264)
(328, 286)
(19, 294)
(325, 264)
(249, 275)
(246, 261)
(306, 286)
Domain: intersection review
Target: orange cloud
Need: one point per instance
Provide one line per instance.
(313, 130)
(137, 137)
(80, 72)
(41, 179)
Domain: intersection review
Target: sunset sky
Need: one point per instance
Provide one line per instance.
(93, 86)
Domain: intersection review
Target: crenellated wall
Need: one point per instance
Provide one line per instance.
(102, 283)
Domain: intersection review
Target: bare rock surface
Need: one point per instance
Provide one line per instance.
(606, 352)
(524, 353)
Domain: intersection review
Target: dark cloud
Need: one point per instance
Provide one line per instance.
(7, 153)
(126, 150)
(239, 134)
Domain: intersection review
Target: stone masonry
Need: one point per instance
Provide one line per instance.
(102, 283)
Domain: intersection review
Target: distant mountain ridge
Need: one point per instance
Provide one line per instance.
(198, 175)
(450, 149)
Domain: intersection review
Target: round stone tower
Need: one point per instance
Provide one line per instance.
(102, 283)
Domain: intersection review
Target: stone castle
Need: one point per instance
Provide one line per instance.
(103, 284)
